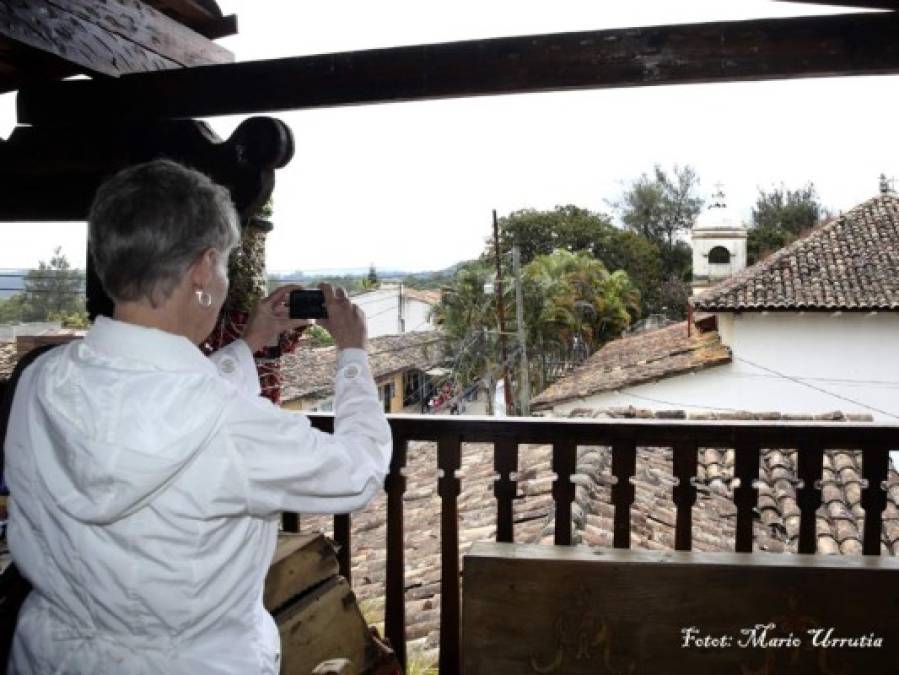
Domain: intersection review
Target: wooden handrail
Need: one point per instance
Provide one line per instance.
(624, 436)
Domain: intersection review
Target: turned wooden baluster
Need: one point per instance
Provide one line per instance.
(395, 604)
(563, 464)
(810, 458)
(746, 496)
(684, 493)
(624, 465)
(449, 457)
(342, 524)
(505, 462)
(875, 463)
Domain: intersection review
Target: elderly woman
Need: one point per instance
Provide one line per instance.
(146, 479)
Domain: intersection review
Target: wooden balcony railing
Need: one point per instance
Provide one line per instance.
(747, 439)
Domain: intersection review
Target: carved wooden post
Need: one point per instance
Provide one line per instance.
(746, 496)
(684, 493)
(564, 464)
(624, 465)
(449, 459)
(875, 462)
(810, 458)
(505, 462)
(395, 604)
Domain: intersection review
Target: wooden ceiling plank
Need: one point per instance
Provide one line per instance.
(112, 38)
(147, 27)
(761, 49)
(95, 50)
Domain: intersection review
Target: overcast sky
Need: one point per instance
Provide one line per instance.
(412, 185)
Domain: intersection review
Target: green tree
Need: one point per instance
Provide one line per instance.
(371, 280)
(781, 216)
(661, 207)
(54, 290)
(571, 298)
(15, 309)
(571, 228)
(466, 314)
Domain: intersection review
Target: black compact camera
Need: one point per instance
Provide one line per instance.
(308, 305)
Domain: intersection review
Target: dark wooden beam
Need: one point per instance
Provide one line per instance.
(852, 44)
(21, 65)
(867, 4)
(110, 39)
(51, 173)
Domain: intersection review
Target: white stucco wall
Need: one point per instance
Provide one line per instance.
(381, 309)
(852, 355)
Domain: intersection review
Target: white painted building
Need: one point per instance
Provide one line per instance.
(811, 329)
(392, 310)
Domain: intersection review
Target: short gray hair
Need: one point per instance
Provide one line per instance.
(149, 222)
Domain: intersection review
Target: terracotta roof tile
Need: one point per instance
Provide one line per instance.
(645, 357)
(310, 371)
(7, 359)
(776, 527)
(848, 263)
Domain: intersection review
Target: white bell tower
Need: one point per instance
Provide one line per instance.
(719, 244)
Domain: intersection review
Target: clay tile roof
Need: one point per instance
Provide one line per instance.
(430, 296)
(7, 359)
(648, 356)
(849, 263)
(310, 371)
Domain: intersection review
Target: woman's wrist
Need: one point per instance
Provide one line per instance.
(256, 342)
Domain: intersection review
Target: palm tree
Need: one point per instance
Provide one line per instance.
(467, 315)
(571, 300)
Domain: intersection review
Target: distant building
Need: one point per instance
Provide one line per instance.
(719, 245)
(391, 310)
(808, 330)
(399, 365)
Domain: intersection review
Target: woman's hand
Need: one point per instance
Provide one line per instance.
(346, 321)
(271, 317)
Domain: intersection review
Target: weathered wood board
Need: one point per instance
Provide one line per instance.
(301, 561)
(315, 608)
(579, 610)
(325, 624)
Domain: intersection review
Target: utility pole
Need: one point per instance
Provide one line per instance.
(400, 319)
(524, 383)
(500, 315)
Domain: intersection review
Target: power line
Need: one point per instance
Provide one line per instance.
(817, 388)
(775, 374)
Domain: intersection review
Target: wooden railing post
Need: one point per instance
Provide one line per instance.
(449, 459)
(746, 496)
(290, 522)
(810, 458)
(875, 463)
(563, 463)
(395, 605)
(624, 465)
(343, 537)
(684, 493)
(505, 462)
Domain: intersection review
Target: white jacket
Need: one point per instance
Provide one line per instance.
(146, 484)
